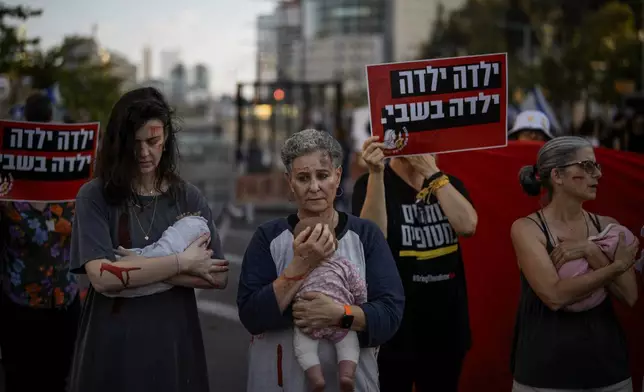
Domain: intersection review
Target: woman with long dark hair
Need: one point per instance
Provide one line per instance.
(153, 342)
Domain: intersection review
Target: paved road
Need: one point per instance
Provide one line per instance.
(225, 339)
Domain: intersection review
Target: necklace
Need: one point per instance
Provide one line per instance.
(556, 239)
(141, 206)
(136, 199)
(154, 212)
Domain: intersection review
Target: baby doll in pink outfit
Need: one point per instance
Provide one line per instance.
(339, 279)
(607, 241)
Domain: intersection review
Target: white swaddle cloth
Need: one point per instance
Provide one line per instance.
(175, 239)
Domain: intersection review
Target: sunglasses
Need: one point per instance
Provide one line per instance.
(588, 166)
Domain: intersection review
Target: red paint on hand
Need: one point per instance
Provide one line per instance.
(123, 274)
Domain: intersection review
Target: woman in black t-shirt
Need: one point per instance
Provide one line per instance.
(422, 212)
(555, 349)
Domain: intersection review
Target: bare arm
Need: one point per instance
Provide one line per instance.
(289, 282)
(529, 246)
(185, 280)
(375, 204)
(624, 287)
(459, 211)
(220, 279)
(107, 276)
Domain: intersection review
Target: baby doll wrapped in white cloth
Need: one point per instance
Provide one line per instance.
(607, 241)
(175, 239)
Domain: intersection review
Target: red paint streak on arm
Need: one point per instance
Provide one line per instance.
(123, 274)
(280, 380)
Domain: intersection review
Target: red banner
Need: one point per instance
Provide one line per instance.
(45, 162)
(442, 105)
(491, 176)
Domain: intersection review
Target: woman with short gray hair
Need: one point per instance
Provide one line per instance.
(554, 349)
(276, 264)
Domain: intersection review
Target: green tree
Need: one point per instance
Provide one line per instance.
(87, 86)
(14, 49)
(580, 48)
(592, 55)
(14, 46)
(478, 27)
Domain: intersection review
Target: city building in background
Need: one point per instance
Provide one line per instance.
(341, 37)
(411, 23)
(288, 31)
(178, 84)
(201, 77)
(345, 17)
(169, 60)
(322, 40)
(339, 57)
(266, 64)
(147, 63)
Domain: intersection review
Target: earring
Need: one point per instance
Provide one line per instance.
(341, 192)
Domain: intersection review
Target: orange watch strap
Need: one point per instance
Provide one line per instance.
(347, 310)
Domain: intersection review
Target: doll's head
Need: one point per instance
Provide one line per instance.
(311, 222)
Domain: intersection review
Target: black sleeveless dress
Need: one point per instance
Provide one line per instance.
(567, 350)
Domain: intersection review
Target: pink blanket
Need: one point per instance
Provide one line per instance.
(607, 241)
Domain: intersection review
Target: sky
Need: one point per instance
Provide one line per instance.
(218, 33)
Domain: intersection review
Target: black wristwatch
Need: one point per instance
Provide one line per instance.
(347, 319)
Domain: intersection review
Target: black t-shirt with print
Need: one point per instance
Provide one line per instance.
(429, 260)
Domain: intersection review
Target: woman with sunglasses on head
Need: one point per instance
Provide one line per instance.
(555, 349)
(150, 342)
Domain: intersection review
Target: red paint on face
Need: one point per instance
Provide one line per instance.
(150, 140)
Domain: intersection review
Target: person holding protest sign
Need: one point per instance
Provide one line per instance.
(555, 349)
(277, 263)
(152, 342)
(39, 302)
(422, 212)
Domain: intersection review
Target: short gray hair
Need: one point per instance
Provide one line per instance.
(555, 153)
(308, 141)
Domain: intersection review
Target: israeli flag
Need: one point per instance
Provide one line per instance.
(17, 112)
(53, 93)
(535, 100)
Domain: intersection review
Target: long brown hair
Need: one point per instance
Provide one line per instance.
(116, 162)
